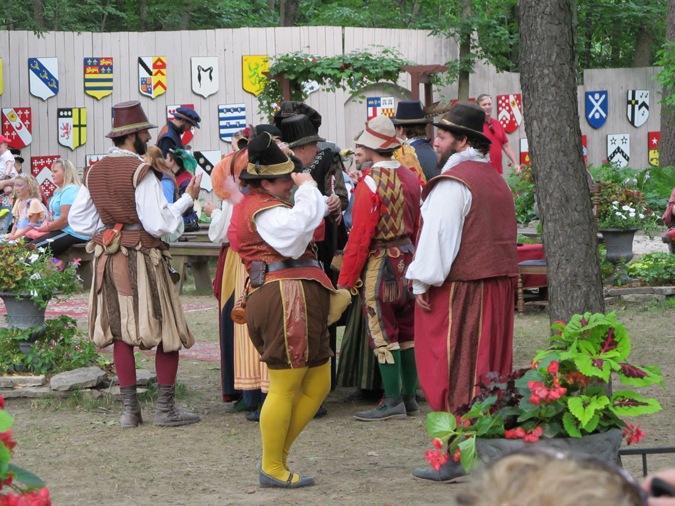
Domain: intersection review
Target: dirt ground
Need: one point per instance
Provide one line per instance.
(86, 459)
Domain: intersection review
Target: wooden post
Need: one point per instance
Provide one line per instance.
(285, 83)
(421, 74)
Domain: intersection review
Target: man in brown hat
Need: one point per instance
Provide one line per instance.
(133, 302)
(462, 275)
(411, 125)
(289, 300)
(385, 215)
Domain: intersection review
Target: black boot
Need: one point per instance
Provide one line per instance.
(166, 413)
(131, 416)
(450, 471)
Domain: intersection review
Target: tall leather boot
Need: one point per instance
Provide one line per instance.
(131, 417)
(166, 412)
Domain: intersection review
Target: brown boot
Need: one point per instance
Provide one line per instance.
(131, 417)
(166, 413)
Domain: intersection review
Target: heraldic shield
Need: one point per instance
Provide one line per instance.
(98, 77)
(206, 160)
(637, 107)
(618, 149)
(187, 136)
(152, 75)
(510, 112)
(380, 106)
(17, 125)
(654, 147)
(205, 75)
(596, 108)
(44, 77)
(253, 67)
(72, 127)
(41, 169)
(231, 119)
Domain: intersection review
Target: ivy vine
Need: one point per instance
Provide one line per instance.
(350, 72)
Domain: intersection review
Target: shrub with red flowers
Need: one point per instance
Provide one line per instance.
(563, 394)
(25, 489)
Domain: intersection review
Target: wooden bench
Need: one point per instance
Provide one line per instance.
(196, 253)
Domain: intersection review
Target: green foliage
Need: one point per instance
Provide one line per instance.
(666, 78)
(351, 72)
(61, 348)
(563, 394)
(34, 274)
(522, 187)
(654, 269)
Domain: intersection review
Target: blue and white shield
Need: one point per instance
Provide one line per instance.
(596, 108)
(231, 118)
(44, 77)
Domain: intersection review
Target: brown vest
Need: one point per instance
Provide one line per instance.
(489, 236)
(253, 248)
(112, 185)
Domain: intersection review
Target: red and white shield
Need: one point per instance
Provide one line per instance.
(509, 112)
(41, 168)
(17, 126)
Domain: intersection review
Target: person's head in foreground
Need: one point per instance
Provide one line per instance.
(548, 477)
(459, 129)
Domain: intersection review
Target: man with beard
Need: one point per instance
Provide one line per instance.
(462, 274)
(171, 135)
(133, 302)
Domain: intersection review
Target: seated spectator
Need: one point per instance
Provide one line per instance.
(29, 211)
(58, 234)
(549, 477)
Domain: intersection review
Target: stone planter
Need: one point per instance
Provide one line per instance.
(24, 314)
(604, 446)
(619, 245)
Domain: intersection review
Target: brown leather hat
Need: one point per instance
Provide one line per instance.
(464, 118)
(129, 117)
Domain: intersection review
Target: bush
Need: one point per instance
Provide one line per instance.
(655, 269)
(522, 187)
(61, 348)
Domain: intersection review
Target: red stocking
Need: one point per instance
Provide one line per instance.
(125, 364)
(166, 365)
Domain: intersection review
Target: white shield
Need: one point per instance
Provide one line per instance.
(44, 77)
(206, 160)
(638, 107)
(205, 75)
(618, 149)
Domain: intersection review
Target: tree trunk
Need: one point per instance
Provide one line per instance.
(270, 5)
(548, 81)
(464, 51)
(143, 16)
(39, 13)
(643, 47)
(667, 150)
(288, 9)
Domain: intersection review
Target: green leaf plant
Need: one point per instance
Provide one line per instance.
(563, 394)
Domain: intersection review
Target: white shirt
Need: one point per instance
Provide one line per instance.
(7, 156)
(443, 215)
(157, 216)
(220, 222)
(289, 230)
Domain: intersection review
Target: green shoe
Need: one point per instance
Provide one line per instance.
(389, 408)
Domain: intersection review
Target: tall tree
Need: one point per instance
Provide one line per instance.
(464, 51)
(667, 151)
(288, 10)
(549, 82)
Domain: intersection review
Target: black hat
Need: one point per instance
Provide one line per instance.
(409, 112)
(298, 130)
(189, 115)
(17, 155)
(271, 129)
(267, 161)
(464, 118)
(290, 108)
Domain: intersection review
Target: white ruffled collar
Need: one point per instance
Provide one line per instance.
(124, 152)
(468, 155)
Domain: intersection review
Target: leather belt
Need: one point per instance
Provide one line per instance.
(289, 264)
(395, 243)
(127, 226)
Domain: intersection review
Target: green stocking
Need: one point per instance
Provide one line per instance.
(408, 371)
(391, 376)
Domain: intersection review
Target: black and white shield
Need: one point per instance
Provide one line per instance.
(618, 149)
(638, 107)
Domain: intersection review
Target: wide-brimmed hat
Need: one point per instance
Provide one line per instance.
(379, 135)
(267, 161)
(464, 118)
(17, 155)
(298, 130)
(271, 129)
(409, 112)
(128, 118)
(290, 108)
(189, 115)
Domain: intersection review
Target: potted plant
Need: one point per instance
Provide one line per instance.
(622, 211)
(562, 400)
(29, 279)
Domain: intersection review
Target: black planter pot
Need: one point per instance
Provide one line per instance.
(619, 245)
(24, 314)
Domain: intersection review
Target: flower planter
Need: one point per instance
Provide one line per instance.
(604, 446)
(619, 245)
(24, 314)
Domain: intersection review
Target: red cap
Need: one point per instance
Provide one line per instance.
(4, 139)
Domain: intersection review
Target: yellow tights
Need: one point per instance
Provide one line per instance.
(294, 397)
